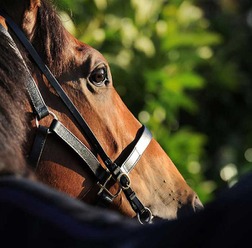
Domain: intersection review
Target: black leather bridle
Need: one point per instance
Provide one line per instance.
(118, 171)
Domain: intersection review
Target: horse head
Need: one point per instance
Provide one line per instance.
(85, 76)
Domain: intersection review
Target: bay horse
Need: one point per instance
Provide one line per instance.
(110, 153)
(33, 214)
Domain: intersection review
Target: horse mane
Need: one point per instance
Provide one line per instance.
(50, 37)
(13, 125)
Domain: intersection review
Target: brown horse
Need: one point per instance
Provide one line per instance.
(116, 135)
(31, 210)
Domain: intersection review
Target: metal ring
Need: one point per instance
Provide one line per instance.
(50, 113)
(147, 220)
(119, 180)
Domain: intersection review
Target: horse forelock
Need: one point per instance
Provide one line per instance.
(50, 37)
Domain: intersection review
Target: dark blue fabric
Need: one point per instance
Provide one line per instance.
(34, 215)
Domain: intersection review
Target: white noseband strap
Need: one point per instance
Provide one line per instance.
(137, 151)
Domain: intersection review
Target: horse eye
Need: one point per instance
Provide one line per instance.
(99, 76)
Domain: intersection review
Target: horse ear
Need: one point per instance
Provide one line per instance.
(30, 17)
(34, 4)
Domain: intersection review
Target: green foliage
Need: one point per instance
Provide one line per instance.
(154, 49)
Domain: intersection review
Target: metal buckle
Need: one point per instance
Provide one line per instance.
(103, 187)
(145, 217)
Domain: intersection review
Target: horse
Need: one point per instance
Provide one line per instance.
(81, 137)
(34, 214)
(24, 200)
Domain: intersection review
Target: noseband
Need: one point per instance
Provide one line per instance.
(118, 171)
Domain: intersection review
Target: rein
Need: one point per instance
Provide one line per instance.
(119, 172)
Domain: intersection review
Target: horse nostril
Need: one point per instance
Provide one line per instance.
(193, 205)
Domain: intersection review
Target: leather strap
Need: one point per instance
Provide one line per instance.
(39, 106)
(84, 153)
(137, 151)
(102, 175)
(38, 146)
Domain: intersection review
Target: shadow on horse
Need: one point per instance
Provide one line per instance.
(81, 138)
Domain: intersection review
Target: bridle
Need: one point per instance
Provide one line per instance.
(118, 171)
